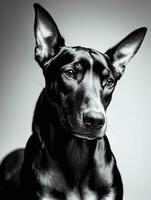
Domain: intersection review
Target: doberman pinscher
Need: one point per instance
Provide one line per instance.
(68, 156)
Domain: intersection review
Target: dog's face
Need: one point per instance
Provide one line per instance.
(80, 81)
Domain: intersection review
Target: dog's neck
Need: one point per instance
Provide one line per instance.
(71, 152)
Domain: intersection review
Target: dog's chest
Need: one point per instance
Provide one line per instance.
(86, 195)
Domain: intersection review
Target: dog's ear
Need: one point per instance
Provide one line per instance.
(47, 36)
(121, 54)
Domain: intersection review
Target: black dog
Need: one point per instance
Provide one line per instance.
(68, 156)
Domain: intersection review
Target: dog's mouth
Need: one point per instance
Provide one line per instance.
(82, 133)
(86, 136)
(79, 130)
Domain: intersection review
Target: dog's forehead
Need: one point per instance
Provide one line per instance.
(85, 56)
(90, 56)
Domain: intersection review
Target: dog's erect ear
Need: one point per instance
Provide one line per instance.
(47, 36)
(121, 54)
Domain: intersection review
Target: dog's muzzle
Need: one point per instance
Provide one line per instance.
(93, 126)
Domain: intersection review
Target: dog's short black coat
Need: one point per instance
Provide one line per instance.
(68, 156)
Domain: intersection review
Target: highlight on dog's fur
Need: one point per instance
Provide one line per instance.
(68, 156)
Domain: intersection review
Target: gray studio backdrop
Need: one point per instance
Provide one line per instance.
(98, 24)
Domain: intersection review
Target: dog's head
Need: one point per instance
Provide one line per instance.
(80, 81)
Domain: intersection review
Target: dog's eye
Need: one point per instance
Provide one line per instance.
(109, 82)
(70, 73)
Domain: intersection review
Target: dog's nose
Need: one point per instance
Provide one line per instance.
(94, 120)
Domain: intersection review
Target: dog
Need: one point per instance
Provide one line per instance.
(68, 156)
